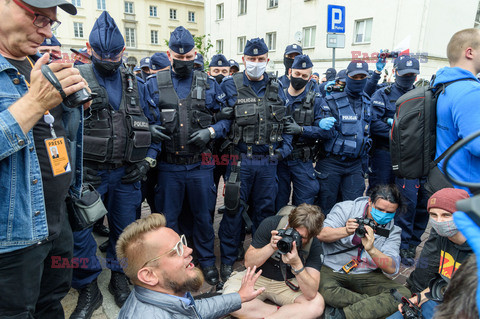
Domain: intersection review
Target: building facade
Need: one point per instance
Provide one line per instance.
(422, 26)
(145, 24)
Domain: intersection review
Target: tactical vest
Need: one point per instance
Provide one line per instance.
(112, 136)
(258, 121)
(182, 117)
(353, 139)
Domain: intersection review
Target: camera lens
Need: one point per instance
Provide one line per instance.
(284, 245)
(78, 98)
(360, 231)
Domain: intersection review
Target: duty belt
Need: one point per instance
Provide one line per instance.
(344, 158)
(180, 160)
(103, 166)
(304, 153)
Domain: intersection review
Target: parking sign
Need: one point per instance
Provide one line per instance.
(336, 19)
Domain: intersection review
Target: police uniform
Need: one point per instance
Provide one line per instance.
(307, 110)
(346, 154)
(258, 139)
(116, 140)
(198, 62)
(414, 221)
(186, 100)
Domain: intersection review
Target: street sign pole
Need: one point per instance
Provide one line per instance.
(333, 58)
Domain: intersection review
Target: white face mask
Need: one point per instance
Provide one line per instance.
(255, 70)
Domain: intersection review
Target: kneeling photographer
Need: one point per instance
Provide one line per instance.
(361, 245)
(290, 256)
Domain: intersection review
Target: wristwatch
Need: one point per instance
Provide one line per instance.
(212, 132)
(151, 161)
(296, 272)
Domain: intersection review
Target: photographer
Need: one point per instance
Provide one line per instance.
(290, 277)
(452, 249)
(359, 254)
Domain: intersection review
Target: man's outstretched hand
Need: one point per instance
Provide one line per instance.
(247, 291)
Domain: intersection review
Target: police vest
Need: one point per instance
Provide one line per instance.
(353, 139)
(112, 136)
(182, 117)
(258, 120)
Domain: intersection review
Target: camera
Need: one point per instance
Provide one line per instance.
(409, 310)
(361, 231)
(437, 286)
(334, 88)
(289, 236)
(387, 54)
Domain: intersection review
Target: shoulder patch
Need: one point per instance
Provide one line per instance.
(376, 102)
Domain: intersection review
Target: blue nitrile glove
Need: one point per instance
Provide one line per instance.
(327, 123)
(390, 122)
(381, 63)
(471, 231)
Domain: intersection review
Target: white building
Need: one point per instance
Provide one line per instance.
(424, 25)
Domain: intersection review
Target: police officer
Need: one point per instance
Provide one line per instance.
(234, 67)
(291, 51)
(52, 46)
(198, 64)
(117, 137)
(342, 169)
(310, 120)
(145, 66)
(187, 100)
(338, 85)
(372, 82)
(257, 134)
(414, 221)
(330, 75)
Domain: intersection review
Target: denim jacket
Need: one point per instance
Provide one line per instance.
(23, 220)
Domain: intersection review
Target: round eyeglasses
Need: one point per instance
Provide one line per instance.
(178, 248)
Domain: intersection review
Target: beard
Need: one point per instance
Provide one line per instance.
(191, 284)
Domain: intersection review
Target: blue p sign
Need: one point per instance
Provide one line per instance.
(336, 19)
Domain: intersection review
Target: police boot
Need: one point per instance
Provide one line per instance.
(240, 252)
(103, 247)
(118, 287)
(211, 275)
(225, 271)
(100, 229)
(89, 299)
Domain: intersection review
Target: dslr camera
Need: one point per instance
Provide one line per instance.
(289, 236)
(388, 54)
(361, 231)
(334, 88)
(409, 310)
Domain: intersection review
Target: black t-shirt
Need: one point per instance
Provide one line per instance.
(451, 256)
(271, 267)
(54, 188)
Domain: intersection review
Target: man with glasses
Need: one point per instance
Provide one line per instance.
(117, 139)
(159, 264)
(34, 230)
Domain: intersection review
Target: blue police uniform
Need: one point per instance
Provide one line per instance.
(198, 62)
(288, 62)
(306, 109)
(186, 100)
(414, 221)
(256, 149)
(346, 154)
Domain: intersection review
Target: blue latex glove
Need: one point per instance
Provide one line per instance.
(327, 123)
(471, 231)
(381, 63)
(390, 122)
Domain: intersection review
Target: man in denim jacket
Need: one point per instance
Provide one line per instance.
(35, 237)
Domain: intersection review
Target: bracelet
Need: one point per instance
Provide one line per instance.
(296, 272)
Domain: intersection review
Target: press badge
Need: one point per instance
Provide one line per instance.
(58, 156)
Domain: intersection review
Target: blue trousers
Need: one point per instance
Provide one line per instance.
(197, 184)
(121, 201)
(305, 183)
(428, 310)
(334, 176)
(259, 188)
(381, 169)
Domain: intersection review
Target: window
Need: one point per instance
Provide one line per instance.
(363, 31)
(154, 37)
(241, 44)
(153, 11)
(220, 12)
(309, 37)
(242, 7)
(219, 46)
(191, 16)
(128, 7)
(101, 5)
(272, 4)
(173, 14)
(77, 3)
(78, 30)
(130, 37)
(271, 41)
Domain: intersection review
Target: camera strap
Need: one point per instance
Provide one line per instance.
(291, 285)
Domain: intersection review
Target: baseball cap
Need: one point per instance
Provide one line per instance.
(68, 7)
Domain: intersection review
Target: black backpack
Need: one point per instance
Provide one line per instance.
(413, 133)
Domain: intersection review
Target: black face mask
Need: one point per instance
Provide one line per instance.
(183, 68)
(145, 75)
(106, 68)
(288, 64)
(219, 78)
(298, 83)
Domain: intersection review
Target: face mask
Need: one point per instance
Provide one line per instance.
(288, 64)
(219, 78)
(380, 217)
(183, 68)
(106, 68)
(405, 82)
(355, 86)
(255, 69)
(445, 229)
(298, 83)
